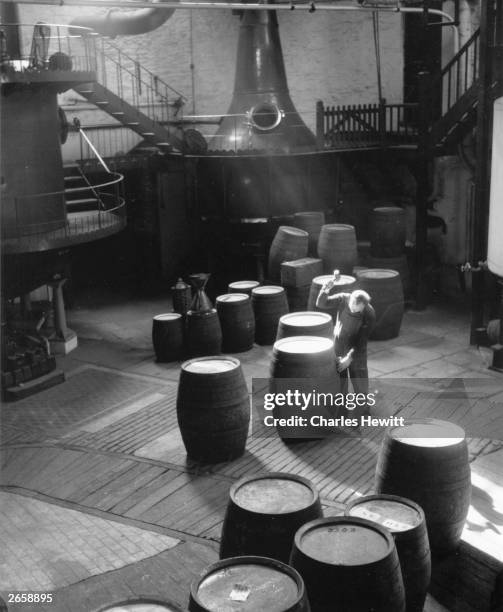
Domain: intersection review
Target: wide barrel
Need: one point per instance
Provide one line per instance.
(264, 512)
(237, 322)
(344, 284)
(305, 324)
(426, 460)
(303, 357)
(248, 584)
(244, 286)
(406, 522)
(400, 264)
(348, 564)
(167, 336)
(213, 409)
(385, 289)
(311, 222)
(143, 604)
(387, 231)
(337, 247)
(289, 243)
(203, 333)
(269, 305)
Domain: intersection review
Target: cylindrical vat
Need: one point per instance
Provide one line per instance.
(167, 336)
(244, 286)
(406, 522)
(297, 297)
(288, 244)
(248, 584)
(213, 409)
(399, 264)
(305, 324)
(203, 333)
(264, 512)
(303, 357)
(337, 247)
(426, 460)
(387, 231)
(385, 289)
(269, 304)
(237, 321)
(345, 284)
(311, 222)
(348, 564)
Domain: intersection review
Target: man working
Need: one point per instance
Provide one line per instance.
(354, 323)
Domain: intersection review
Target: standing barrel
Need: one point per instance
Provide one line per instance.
(264, 512)
(237, 321)
(203, 333)
(213, 409)
(385, 289)
(387, 231)
(167, 336)
(144, 604)
(311, 222)
(400, 264)
(269, 304)
(348, 564)
(337, 248)
(244, 286)
(248, 584)
(303, 357)
(405, 520)
(305, 324)
(288, 244)
(426, 460)
(345, 284)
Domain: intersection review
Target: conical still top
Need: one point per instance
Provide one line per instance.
(262, 115)
(201, 302)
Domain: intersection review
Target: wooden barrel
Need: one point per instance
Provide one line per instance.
(203, 333)
(244, 286)
(167, 336)
(303, 357)
(297, 297)
(400, 264)
(311, 222)
(288, 244)
(305, 324)
(348, 564)
(426, 460)
(264, 512)
(269, 304)
(213, 409)
(385, 289)
(387, 231)
(237, 321)
(140, 605)
(248, 584)
(337, 248)
(405, 520)
(345, 284)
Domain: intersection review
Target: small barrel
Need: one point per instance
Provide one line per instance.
(244, 286)
(145, 604)
(303, 357)
(305, 324)
(264, 512)
(385, 289)
(387, 231)
(345, 284)
(426, 460)
(269, 305)
(237, 321)
(213, 409)
(203, 333)
(311, 222)
(348, 564)
(297, 297)
(405, 520)
(167, 336)
(288, 244)
(400, 264)
(337, 247)
(248, 584)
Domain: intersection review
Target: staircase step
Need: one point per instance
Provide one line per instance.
(85, 92)
(132, 123)
(118, 114)
(147, 134)
(102, 103)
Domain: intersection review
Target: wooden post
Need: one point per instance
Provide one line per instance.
(320, 125)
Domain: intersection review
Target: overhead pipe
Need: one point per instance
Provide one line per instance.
(118, 23)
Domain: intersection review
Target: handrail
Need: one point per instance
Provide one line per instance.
(93, 149)
(458, 55)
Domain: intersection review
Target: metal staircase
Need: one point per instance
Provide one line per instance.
(134, 96)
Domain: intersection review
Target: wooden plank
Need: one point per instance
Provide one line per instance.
(150, 501)
(144, 491)
(22, 462)
(96, 481)
(130, 482)
(77, 474)
(98, 488)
